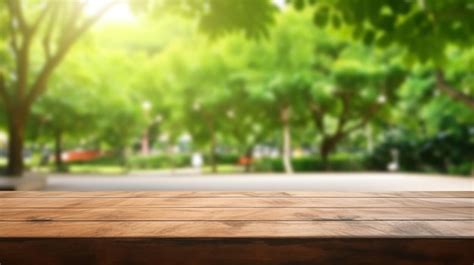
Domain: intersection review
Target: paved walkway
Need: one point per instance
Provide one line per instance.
(160, 180)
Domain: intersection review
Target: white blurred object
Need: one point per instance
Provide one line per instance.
(274, 153)
(231, 114)
(394, 165)
(186, 138)
(158, 118)
(196, 106)
(3, 139)
(146, 105)
(281, 4)
(164, 137)
(382, 99)
(197, 160)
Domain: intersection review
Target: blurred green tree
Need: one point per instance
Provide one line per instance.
(29, 26)
(282, 71)
(425, 28)
(354, 85)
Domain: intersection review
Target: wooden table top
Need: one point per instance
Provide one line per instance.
(236, 215)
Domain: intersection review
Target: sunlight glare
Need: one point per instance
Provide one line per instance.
(118, 13)
(281, 4)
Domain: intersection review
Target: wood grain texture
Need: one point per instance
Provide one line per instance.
(236, 214)
(236, 228)
(231, 194)
(233, 202)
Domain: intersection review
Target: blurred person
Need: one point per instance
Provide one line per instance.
(197, 161)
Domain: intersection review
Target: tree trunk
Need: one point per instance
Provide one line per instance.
(452, 92)
(249, 157)
(328, 145)
(213, 156)
(370, 138)
(145, 143)
(324, 150)
(58, 150)
(16, 133)
(19, 102)
(286, 152)
(123, 156)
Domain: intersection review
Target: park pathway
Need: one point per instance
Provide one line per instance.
(186, 180)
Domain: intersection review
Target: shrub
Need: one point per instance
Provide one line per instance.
(158, 161)
(337, 162)
(101, 161)
(222, 159)
(227, 159)
(446, 152)
(408, 155)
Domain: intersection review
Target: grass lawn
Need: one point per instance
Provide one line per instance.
(96, 169)
(86, 169)
(224, 168)
(117, 169)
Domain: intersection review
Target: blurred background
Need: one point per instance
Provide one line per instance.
(197, 87)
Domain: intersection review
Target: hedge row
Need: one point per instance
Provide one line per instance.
(340, 162)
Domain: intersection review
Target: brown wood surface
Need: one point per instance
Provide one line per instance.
(240, 229)
(236, 214)
(233, 194)
(234, 202)
(236, 228)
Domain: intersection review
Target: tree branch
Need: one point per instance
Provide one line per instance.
(422, 4)
(343, 117)
(370, 114)
(17, 12)
(318, 114)
(41, 17)
(39, 85)
(339, 132)
(22, 51)
(22, 65)
(73, 14)
(451, 91)
(14, 40)
(3, 91)
(52, 19)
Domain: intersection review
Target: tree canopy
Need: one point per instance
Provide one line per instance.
(306, 78)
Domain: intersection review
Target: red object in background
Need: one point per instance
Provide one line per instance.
(245, 160)
(74, 156)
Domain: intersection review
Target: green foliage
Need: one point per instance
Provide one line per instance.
(449, 151)
(407, 149)
(434, 111)
(439, 155)
(228, 159)
(88, 106)
(338, 162)
(217, 17)
(425, 28)
(228, 93)
(158, 161)
(106, 160)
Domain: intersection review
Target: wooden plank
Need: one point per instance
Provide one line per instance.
(233, 202)
(178, 194)
(236, 251)
(240, 229)
(236, 214)
(236, 228)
